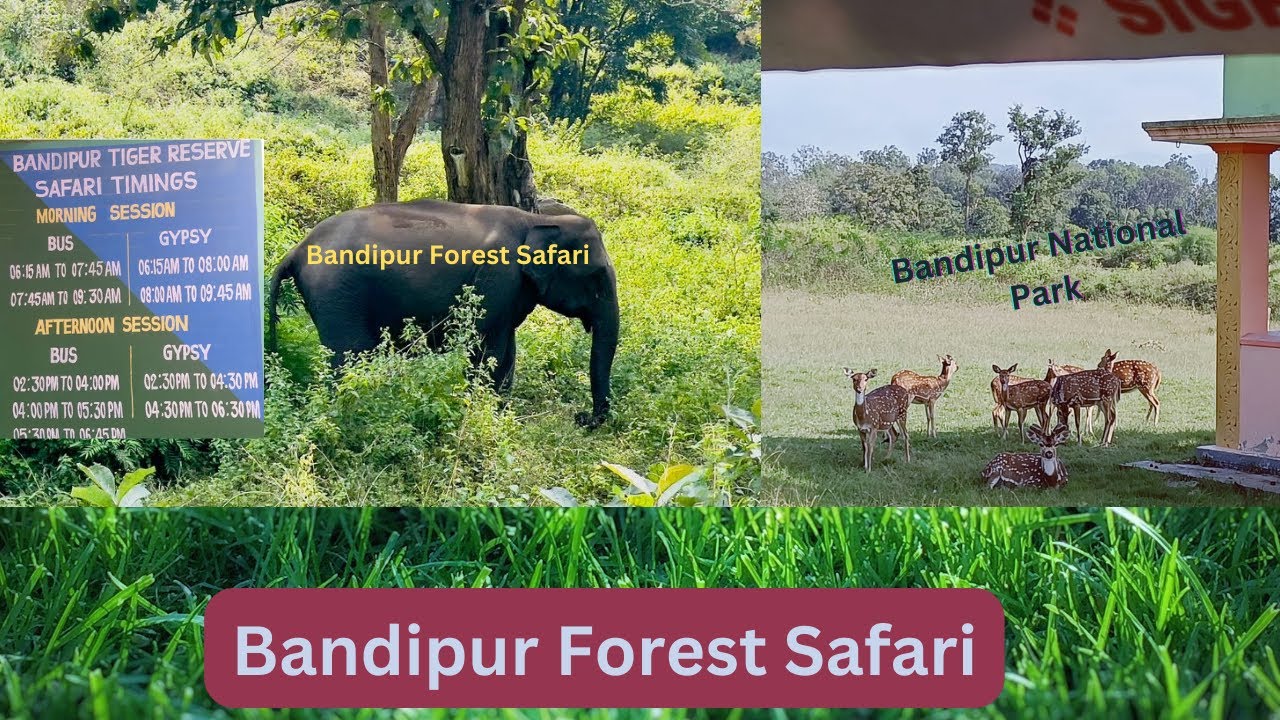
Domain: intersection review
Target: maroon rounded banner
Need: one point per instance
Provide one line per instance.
(576, 648)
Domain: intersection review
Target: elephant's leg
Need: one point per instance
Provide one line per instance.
(505, 374)
(346, 339)
(502, 349)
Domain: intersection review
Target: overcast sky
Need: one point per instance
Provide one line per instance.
(847, 111)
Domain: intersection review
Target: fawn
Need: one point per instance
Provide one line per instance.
(1031, 469)
(1020, 397)
(1088, 388)
(1142, 376)
(1056, 371)
(881, 410)
(926, 389)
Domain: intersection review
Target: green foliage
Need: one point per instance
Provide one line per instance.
(43, 470)
(989, 218)
(1049, 169)
(964, 143)
(884, 190)
(837, 254)
(627, 39)
(740, 81)
(732, 473)
(1199, 245)
(401, 414)
(680, 125)
(37, 39)
(104, 493)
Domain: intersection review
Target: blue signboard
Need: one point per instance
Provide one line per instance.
(132, 289)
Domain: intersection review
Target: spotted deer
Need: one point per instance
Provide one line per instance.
(998, 412)
(926, 389)
(1142, 376)
(1042, 469)
(1088, 388)
(1020, 397)
(1056, 371)
(881, 410)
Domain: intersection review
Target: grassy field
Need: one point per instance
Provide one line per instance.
(814, 455)
(1145, 613)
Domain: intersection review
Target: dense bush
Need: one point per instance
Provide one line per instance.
(677, 124)
(839, 255)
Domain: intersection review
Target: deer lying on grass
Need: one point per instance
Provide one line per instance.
(1020, 397)
(1088, 388)
(1142, 376)
(881, 410)
(1056, 371)
(1042, 469)
(926, 389)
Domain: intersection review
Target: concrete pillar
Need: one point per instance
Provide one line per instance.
(1244, 182)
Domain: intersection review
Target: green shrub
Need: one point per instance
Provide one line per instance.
(46, 468)
(837, 254)
(679, 125)
(386, 430)
(1199, 245)
(742, 81)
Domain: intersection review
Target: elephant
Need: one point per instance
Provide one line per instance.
(351, 302)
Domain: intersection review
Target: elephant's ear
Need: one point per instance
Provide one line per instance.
(542, 237)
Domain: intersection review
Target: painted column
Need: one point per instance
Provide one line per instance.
(1243, 212)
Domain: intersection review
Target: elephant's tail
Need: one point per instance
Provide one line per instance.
(284, 270)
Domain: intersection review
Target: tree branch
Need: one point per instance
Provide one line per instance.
(411, 119)
(429, 45)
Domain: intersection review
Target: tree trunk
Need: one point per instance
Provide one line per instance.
(479, 167)
(463, 139)
(391, 144)
(968, 183)
(386, 168)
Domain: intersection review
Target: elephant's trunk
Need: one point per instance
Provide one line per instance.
(604, 344)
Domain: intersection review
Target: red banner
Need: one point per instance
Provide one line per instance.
(604, 648)
(817, 34)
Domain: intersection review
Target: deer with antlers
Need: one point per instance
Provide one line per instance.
(1056, 371)
(926, 389)
(1142, 376)
(1088, 388)
(1029, 394)
(1042, 469)
(881, 410)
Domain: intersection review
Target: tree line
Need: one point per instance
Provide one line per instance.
(956, 188)
(481, 72)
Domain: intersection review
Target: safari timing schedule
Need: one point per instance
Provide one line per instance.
(132, 278)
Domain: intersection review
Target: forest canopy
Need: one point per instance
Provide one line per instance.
(953, 187)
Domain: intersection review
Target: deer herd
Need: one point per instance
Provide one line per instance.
(1065, 389)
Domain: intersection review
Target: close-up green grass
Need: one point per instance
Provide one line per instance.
(1109, 612)
(814, 452)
